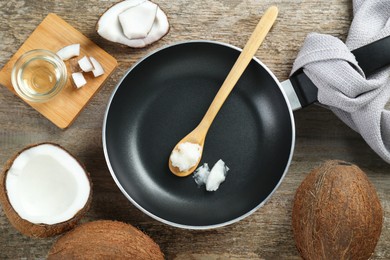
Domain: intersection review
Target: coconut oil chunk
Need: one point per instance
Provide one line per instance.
(217, 176)
(201, 174)
(186, 156)
(213, 178)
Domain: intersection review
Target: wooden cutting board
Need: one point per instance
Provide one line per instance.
(53, 34)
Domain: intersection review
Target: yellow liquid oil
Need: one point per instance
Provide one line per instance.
(39, 75)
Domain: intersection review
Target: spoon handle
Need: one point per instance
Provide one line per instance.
(239, 66)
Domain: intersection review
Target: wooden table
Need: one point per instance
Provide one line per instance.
(267, 233)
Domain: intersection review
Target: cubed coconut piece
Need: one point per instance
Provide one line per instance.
(85, 64)
(98, 68)
(78, 79)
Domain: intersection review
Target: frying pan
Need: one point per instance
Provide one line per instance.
(164, 96)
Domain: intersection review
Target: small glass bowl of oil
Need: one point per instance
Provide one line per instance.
(38, 75)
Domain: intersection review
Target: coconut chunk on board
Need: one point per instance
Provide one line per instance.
(44, 190)
(69, 51)
(98, 68)
(78, 79)
(85, 64)
(137, 21)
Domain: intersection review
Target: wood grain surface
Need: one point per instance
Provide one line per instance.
(52, 34)
(266, 234)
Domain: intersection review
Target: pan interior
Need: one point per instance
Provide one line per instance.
(163, 98)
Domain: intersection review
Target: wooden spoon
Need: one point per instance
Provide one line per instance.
(198, 135)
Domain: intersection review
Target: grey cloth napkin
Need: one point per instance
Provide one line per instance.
(342, 86)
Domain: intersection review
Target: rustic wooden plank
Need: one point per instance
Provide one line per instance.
(267, 233)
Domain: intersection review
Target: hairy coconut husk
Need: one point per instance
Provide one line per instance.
(336, 214)
(30, 229)
(105, 239)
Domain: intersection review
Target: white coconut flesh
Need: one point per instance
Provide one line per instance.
(86, 64)
(46, 185)
(137, 21)
(129, 20)
(98, 68)
(69, 51)
(159, 29)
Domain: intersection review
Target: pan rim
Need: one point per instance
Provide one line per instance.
(166, 221)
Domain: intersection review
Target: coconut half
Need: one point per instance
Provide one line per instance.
(44, 190)
(105, 239)
(113, 24)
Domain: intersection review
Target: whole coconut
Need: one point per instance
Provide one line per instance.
(336, 213)
(105, 239)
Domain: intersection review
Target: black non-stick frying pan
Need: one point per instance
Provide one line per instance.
(162, 98)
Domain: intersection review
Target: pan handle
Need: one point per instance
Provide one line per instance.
(302, 92)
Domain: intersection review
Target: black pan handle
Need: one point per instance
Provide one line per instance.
(370, 58)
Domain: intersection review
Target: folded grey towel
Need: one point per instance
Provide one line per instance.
(342, 86)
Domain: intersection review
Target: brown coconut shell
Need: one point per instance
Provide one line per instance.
(37, 230)
(105, 239)
(336, 213)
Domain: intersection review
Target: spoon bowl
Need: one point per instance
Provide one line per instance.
(198, 135)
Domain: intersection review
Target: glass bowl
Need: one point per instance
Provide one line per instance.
(38, 75)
